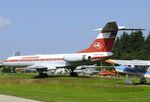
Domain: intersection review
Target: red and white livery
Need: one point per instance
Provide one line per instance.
(100, 49)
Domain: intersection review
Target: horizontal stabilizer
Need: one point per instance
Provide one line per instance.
(111, 27)
(123, 28)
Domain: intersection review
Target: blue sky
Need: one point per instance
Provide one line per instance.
(62, 26)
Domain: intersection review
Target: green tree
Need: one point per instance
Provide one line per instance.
(116, 49)
(125, 43)
(137, 41)
(147, 47)
(132, 46)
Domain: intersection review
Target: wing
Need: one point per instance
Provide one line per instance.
(120, 62)
(49, 66)
(129, 62)
(141, 62)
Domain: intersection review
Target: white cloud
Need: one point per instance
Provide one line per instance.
(4, 22)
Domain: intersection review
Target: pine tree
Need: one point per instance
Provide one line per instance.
(116, 49)
(147, 47)
(137, 41)
(132, 46)
(125, 45)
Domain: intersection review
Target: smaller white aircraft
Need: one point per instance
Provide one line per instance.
(140, 68)
(87, 70)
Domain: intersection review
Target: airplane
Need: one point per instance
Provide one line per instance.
(99, 50)
(140, 68)
(87, 69)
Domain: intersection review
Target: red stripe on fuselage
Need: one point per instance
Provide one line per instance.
(43, 59)
(31, 60)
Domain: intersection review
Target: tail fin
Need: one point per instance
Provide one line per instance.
(105, 40)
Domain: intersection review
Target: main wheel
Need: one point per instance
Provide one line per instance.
(43, 75)
(73, 74)
(143, 80)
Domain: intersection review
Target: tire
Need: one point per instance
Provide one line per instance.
(74, 74)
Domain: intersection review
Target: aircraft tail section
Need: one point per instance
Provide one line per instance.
(105, 40)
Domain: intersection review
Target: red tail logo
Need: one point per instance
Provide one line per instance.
(105, 40)
(97, 45)
(103, 43)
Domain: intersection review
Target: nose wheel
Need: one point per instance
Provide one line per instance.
(128, 81)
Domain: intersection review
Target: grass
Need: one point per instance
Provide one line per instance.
(69, 89)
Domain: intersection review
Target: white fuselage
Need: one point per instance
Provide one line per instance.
(101, 48)
(57, 60)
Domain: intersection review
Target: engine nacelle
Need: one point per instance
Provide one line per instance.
(76, 58)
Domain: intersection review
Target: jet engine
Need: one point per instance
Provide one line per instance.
(76, 58)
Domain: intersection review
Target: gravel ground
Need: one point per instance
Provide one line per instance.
(6, 98)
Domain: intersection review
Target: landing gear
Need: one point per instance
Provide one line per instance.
(73, 74)
(143, 80)
(128, 81)
(42, 73)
